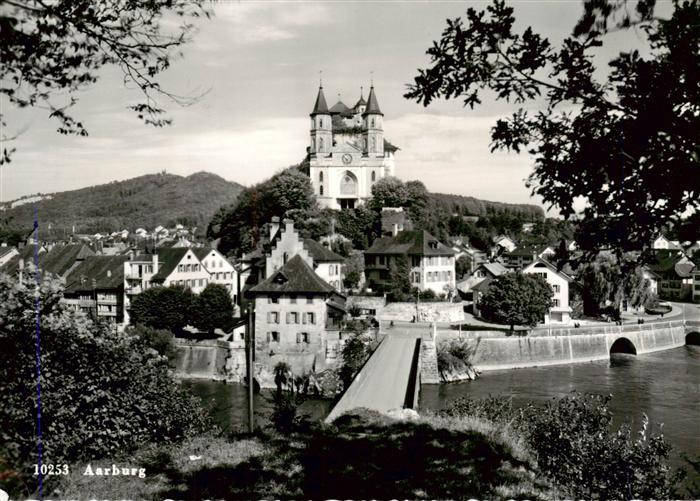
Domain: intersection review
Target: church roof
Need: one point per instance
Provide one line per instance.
(340, 108)
(360, 102)
(320, 108)
(390, 147)
(372, 104)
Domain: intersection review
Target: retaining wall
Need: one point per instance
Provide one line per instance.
(427, 312)
(498, 350)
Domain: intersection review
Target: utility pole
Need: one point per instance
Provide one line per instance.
(250, 342)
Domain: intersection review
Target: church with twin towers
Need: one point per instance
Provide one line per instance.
(348, 152)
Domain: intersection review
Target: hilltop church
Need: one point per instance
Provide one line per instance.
(348, 152)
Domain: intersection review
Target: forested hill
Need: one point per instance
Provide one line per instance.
(473, 206)
(144, 201)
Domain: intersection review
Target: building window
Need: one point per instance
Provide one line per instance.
(415, 277)
(320, 123)
(285, 256)
(320, 177)
(374, 176)
(374, 144)
(311, 318)
(292, 300)
(348, 184)
(273, 317)
(272, 300)
(555, 302)
(302, 337)
(320, 144)
(292, 317)
(556, 288)
(320, 190)
(373, 123)
(275, 337)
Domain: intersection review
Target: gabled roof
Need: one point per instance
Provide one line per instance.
(340, 108)
(61, 257)
(543, 262)
(320, 253)
(372, 104)
(106, 271)
(667, 262)
(483, 285)
(415, 243)
(202, 252)
(527, 251)
(320, 108)
(6, 250)
(495, 269)
(294, 277)
(168, 259)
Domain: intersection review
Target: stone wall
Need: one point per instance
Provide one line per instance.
(376, 303)
(209, 359)
(498, 350)
(426, 312)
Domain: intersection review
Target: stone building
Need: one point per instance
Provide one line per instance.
(296, 312)
(431, 263)
(348, 152)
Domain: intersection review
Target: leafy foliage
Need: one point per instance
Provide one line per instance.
(627, 145)
(239, 227)
(213, 308)
(353, 268)
(576, 446)
(356, 351)
(517, 299)
(168, 308)
(399, 285)
(160, 340)
(454, 356)
(52, 50)
(102, 393)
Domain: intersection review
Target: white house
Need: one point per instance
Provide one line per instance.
(662, 242)
(483, 271)
(505, 242)
(221, 271)
(560, 312)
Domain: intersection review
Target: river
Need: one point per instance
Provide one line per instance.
(665, 385)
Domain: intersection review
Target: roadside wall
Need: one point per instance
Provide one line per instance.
(426, 312)
(498, 350)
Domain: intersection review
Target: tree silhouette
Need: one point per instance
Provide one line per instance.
(52, 49)
(627, 145)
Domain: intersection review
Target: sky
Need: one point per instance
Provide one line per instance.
(256, 66)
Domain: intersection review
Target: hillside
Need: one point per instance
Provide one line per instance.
(144, 201)
(475, 207)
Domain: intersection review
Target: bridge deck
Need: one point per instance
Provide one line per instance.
(382, 383)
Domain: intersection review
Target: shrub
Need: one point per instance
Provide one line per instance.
(454, 356)
(356, 351)
(102, 393)
(576, 446)
(160, 340)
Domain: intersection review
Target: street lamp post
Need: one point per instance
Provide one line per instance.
(249, 344)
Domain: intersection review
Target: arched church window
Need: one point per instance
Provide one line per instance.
(348, 184)
(320, 190)
(374, 176)
(373, 122)
(320, 123)
(320, 177)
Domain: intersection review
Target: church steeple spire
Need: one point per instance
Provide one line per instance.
(372, 104)
(320, 108)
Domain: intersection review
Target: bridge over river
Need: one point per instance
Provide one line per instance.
(407, 357)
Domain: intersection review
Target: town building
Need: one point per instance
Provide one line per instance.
(6, 253)
(348, 152)
(96, 287)
(296, 313)
(663, 243)
(431, 264)
(463, 247)
(523, 256)
(395, 220)
(675, 271)
(560, 312)
(482, 272)
(504, 243)
(220, 269)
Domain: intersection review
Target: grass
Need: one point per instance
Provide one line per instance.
(363, 455)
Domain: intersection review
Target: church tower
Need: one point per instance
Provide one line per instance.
(372, 131)
(321, 127)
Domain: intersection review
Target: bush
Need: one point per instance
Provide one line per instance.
(576, 446)
(454, 356)
(355, 353)
(160, 340)
(102, 393)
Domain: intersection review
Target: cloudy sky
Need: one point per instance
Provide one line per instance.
(258, 64)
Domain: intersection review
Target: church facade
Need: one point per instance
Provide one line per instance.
(348, 152)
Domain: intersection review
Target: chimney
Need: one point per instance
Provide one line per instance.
(274, 226)
(394, 229)
(288, 225)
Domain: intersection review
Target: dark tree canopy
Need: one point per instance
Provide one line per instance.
(168, 308)
(517, 299)
(626, 145)
(50, 50)
(213, 308)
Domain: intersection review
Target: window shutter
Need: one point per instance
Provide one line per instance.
(269, 317)
(269, 336)
(303, 318)
(298, 337)
(288, 318)
(312, 318)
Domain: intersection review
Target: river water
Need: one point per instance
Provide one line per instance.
(664, 385)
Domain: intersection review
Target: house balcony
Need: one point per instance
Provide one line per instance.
(86, 303)
(107, 300)
(136, 289)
